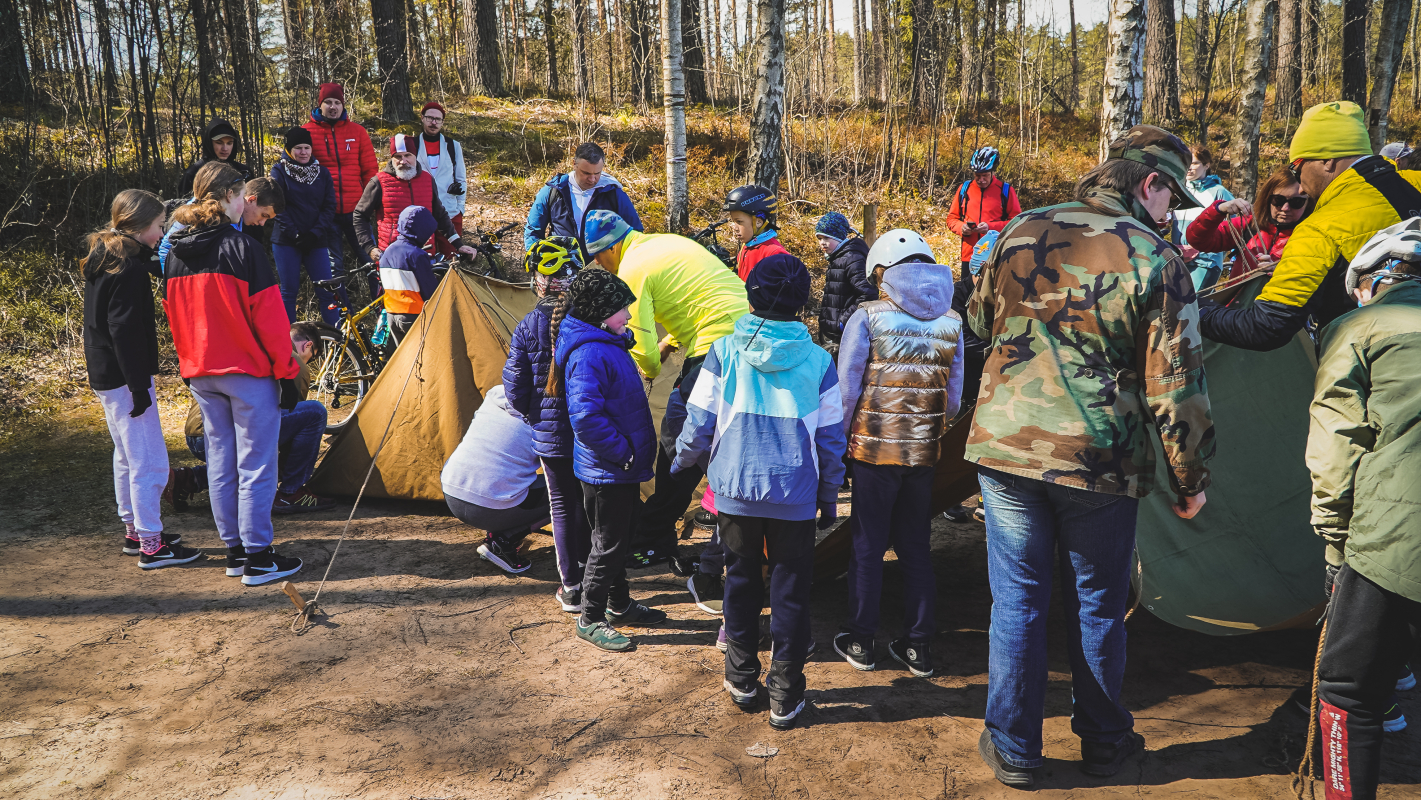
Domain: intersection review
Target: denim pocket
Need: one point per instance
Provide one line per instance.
(993, 480)
(1089, 499)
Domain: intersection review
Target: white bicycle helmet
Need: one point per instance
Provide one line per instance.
(1400, 242)
(897, 246)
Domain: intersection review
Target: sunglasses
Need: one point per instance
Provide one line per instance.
(1296, 169)
(1296, 202)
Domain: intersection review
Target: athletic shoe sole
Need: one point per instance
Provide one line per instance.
(1394, 725)
(742, 700)
(787, 721)
(1407, 683)
(691, 587)
(174, 561)
(237, 572)
(571, 609)
(268, 577)
(487, 554)
(861, 667)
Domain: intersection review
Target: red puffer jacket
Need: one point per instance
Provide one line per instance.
(344, 148)
(1209, 233)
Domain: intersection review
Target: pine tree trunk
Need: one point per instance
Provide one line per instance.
(550, 41)
(1161, 66)
(577, 10)
(693, 52)
(1386, 62)
(988, 54)
(1288, 84)
(766, 136)
(10, 27)
(388, 17)
(1354, 50)
(971, 63)
(1075, 97)
(1311, 13)
(1262, 16)
(858, 50)
(678, 196)
(483, 73)
(1124, 72)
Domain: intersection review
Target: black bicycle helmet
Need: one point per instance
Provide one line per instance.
(755, 200)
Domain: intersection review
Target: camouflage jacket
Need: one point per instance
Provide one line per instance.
(1092, 320)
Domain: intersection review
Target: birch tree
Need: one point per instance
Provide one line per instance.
(1124, 71)
(673, 79)
(1262, 15)
(766, 137)
(1386, 62)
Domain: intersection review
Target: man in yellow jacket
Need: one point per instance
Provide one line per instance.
(689, 292)
(1357, 195)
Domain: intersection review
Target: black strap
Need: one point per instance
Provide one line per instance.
(1404, 198)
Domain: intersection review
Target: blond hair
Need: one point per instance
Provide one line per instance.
(132, 212)
(214, 183)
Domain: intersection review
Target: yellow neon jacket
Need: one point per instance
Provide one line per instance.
(680, 285)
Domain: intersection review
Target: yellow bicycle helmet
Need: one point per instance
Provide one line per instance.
(552, 255)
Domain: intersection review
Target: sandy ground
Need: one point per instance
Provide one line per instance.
(436, 676)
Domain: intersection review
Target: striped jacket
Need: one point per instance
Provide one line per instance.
(406, 272)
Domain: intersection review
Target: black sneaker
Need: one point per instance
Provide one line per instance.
(236, 561)
(705, 520)
(503, 556)
(857, 653)
(916, 656)
(1019, 777)
(267, 566)
(783, 716)
(744, 697)
(958, 513)
(1393, 721)
(708, 592)
(1104, 760)
(635, 614)
(167, 556)
(683, 567)
(569, 599)
(133, 547)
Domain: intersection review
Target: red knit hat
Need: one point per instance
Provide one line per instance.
(329, 90)
(401, 143)
(434, 104)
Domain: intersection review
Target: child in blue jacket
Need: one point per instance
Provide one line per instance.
(767, 415)
(613, 447)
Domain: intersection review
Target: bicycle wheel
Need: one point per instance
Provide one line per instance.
(340, 380)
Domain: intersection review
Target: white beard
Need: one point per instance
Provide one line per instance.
(406, 173)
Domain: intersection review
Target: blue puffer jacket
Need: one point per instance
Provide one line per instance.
(310, 206)
(613, 437)
(530, 356)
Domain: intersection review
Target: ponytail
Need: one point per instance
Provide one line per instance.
(132, 213)
(554, 387)
(214, 183)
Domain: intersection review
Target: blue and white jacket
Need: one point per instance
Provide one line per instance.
(767, 415)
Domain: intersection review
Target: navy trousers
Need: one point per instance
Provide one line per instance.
(790, 546)
(892, 508)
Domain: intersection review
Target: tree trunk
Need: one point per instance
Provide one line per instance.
(388, 17)
(1288, 90)
(105, 30)
(1075, 97)
(550, 40)
(1161, 66)
(483, 73)
(1124, 71)
(766, 137)
(1262, 16)
(1386, 62)
(678, 196)
(693, 52)
(971, 62)
(1311, 13)
(1354, 50)
(577, 11)
(988, 54)
(858, 50)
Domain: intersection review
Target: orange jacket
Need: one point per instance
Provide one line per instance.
(971, 205)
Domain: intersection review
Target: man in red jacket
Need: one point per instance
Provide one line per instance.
(343, 147)
(985, 203)
(402, 184)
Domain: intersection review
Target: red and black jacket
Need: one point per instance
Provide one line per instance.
(385, 197)
(224, 307)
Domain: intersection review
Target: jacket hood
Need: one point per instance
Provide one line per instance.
(317, 116)
(771, 345)
(416, 224)
(219, 127)
(195, 243)
(574, 333)
(923, 290)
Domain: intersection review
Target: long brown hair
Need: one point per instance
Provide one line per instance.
(554, 387)
(214, 183)
(1281, 178)
(132, 212)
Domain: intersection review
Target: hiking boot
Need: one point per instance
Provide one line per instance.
(170, 554)
(916, 656)
(1019, 777)
(134, 547)
(1393, 721)
(569, 599)
(859, 654)
(300, 502)
(1407, 681)
(958, 513)
(266, 566)
(236, 561)
(783, 715)
(1104, 760)
(504, 556)
(708, 592)
(744, 696)
(635, 614)
(705, 520)
(720, 643)
(602, 635)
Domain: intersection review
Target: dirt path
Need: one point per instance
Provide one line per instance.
(436, 676)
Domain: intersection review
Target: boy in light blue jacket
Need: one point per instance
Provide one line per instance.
(767, 416)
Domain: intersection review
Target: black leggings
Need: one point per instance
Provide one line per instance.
(610, 508)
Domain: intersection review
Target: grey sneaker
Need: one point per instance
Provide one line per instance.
(783, 715)
(744, 697)
(708, 592)
(635, 614)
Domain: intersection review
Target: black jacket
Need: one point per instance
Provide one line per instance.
(845, 287)
(217, 127)
(120, 328)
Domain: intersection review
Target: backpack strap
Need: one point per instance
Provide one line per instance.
(1404, 198)
(1006, 192)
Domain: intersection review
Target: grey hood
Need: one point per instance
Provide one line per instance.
(923, 290)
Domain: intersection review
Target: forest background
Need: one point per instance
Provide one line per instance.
(837, 105)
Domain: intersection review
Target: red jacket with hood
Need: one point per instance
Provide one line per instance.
(1209, 233)
(344, 148)
(972, 204)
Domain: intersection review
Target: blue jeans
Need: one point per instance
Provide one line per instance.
(1031, 526)
(317, 262)
(301, 431)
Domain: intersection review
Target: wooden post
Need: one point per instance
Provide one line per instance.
(290, 589)
(870, 223)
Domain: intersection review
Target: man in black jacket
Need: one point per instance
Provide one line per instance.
(220, 142)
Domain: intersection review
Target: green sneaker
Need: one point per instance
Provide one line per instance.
(602, 635)
(636, 614)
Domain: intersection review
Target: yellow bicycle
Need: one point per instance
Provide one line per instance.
(349, 361)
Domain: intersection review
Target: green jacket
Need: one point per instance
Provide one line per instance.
(1364, 443)
(1095, 346)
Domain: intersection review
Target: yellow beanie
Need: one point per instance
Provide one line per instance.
(1331, 130)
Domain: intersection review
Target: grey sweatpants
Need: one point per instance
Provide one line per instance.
(241, 420)
(140, 459)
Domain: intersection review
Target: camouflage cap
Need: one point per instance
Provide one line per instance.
(1161, 150)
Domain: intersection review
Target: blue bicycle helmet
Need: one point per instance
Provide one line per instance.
(985, 159)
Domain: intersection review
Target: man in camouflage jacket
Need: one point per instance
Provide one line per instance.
(1095, 345)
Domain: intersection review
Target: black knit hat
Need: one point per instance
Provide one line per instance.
(596, 294)
(296, 135)
(779, 284)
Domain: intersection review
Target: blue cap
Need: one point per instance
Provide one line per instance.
(603, 230)
(834, 225)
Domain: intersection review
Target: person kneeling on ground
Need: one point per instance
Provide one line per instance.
(900, 370)
(614, 443)
(1366, 475)
(299, 440)
(759, 392)
(406, 271)
(492, 482)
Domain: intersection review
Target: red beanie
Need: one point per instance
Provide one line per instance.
(434, 105)
(329, 90)
(401, 143)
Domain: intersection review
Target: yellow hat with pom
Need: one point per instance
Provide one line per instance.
(1331, 130)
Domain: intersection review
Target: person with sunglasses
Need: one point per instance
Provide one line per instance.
(1220, 227)
(1356, 194)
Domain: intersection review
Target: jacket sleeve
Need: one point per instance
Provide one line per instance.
(954, 212)
(981, 306)
(854, 348)
(646, 353)
(442, 223)
(1281, 308)
(270, 325)
(1208, 232)
(423, 269)
(586, 382)
(627, 211)
(128, 329)
(697, 437)
(1262, 326)
(363, 215)
(829, 440)
(538, 218)
(1013, 208)
(1173, 378)
(955, 375)
(325, 229)
(369, 164)
(518, 370)
(1339, 435)
(858, 278)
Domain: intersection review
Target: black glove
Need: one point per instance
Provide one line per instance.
(1331, 578)
(456, 188)
(289, 397)
(828, 514)
(141, 401)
